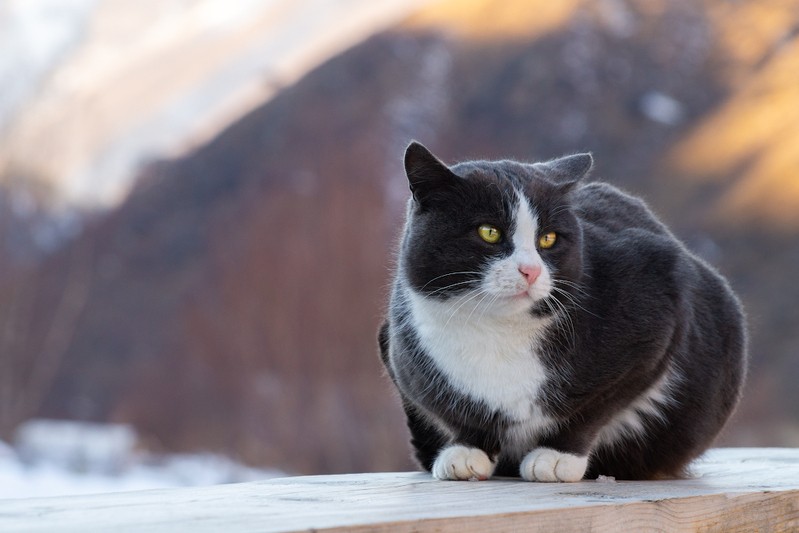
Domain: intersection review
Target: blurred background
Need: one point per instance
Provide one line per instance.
(199, 202)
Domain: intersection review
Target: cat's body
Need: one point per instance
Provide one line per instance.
(548, 328)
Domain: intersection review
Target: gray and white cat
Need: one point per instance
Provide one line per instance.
(544, 327)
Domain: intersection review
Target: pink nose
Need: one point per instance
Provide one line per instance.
(530, 272)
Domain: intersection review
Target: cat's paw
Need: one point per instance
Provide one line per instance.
(459, 462)
(546, 464)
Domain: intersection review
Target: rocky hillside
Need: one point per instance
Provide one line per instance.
(232, 301)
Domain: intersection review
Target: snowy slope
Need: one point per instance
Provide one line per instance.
(53, 458)
(94, 88)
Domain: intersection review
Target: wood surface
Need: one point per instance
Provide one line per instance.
(731, 490)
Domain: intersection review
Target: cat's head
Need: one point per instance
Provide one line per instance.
(501, 234)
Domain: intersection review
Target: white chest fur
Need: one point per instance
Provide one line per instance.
(490, 359)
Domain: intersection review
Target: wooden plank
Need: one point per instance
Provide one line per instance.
(733, 489)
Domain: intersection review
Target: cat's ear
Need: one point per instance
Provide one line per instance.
(567, 170)
(426, 173)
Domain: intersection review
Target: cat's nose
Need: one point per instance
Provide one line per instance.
(530, 272)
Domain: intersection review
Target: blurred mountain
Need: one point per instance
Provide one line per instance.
(94, 89)
(231, 302)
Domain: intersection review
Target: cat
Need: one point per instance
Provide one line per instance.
(546, 326)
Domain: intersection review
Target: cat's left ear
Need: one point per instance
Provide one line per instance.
(567, 170)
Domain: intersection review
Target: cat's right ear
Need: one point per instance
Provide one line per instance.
(568, 170)
(426, 173)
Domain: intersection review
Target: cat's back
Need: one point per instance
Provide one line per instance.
(637, 267)
(634, 257)
(605, 207)
(627, 245)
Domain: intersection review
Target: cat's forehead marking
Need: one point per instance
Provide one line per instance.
(503, 179)
(526, 227)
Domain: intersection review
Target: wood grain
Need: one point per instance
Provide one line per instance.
(733, 489)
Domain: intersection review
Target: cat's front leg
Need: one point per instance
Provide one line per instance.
(463, 463)
(549, 465)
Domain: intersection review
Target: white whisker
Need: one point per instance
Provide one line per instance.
(573, 301)
(450, 286)
(464, 302)
(460, 273)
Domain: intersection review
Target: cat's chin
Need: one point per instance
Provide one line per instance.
(522, 304)
(516, 304)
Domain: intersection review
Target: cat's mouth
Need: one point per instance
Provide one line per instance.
(532, 293)
(524, 301)
(517, 302)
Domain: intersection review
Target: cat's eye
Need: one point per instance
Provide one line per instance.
(489, 233)
(547, 240)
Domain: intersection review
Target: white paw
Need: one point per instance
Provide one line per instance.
(461, 463)
(545, 464)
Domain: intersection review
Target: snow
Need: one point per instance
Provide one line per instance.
(39, 33)
(416, 113)
(19, 480)
(662, 108)
(617, 17)
(59, 458)
(76, 445)
(101, 87)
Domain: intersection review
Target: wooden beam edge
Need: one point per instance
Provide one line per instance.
(724, 513)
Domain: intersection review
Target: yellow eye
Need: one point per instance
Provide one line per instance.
(547, 240)
(489, 233)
